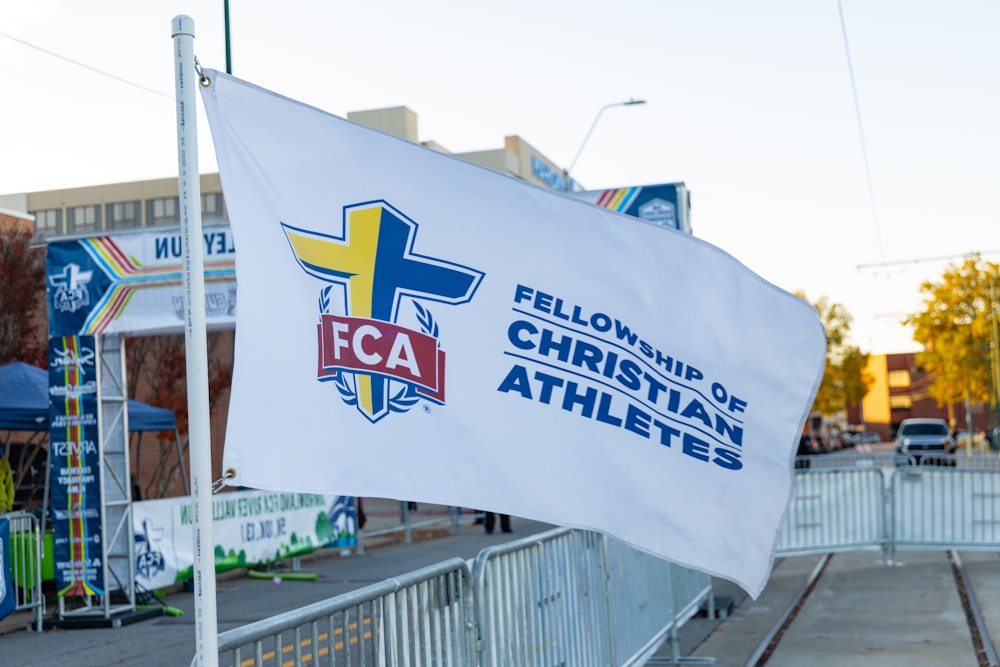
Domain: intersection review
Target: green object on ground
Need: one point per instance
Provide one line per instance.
(293, 576)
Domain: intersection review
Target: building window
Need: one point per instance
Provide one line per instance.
(162, 211)
(123, 215)
(900, 402)
(899, 378)
(48, 223)
(213, 209)
(83, 219)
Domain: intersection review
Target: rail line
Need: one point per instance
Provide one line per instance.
(982, 642)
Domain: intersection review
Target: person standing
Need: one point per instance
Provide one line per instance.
(490, 522)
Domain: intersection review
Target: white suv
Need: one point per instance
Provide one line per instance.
(923, 437)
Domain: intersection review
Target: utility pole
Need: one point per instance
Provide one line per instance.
(229, 59)
(995, 354)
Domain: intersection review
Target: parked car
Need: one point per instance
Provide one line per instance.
(925, 437)
(867, 438)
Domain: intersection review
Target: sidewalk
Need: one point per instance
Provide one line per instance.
(168, 641)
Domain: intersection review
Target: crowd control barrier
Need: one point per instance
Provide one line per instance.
(420, 618)
(571, 597)
(894, 502)
(946, 508)
(564, 597)
(26, 565)
(384, 516)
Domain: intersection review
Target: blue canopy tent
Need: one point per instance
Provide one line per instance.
(24, 406)
(24, 403)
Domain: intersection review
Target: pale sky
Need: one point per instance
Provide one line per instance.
(749, 103)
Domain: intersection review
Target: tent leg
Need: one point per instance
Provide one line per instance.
(180, 460)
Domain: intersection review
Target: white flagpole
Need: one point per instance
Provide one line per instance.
(196, 347)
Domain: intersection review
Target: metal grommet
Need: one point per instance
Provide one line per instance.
(205, 81)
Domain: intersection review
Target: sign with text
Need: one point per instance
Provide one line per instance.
(75, 466)
(131, 282)
(250, 528)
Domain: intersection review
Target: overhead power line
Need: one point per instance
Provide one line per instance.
(861, 130)
(86, 66)
(920, 260)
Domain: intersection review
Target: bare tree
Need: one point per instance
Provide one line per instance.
(157, 375)
(22, 298)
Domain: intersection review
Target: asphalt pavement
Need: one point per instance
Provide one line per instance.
(861, 611)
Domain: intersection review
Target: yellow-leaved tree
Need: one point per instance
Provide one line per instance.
(845, 377)
(955, 329)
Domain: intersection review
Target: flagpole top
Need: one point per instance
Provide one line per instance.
(182, 24)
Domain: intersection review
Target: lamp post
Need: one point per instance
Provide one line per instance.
(626, 103)
(229, 59)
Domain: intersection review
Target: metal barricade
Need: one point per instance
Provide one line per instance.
(851, 459)
(420, 618)
(946, 507)
(571, 597)
(26, 564)
(960, 460)
(836, 509)
(384, 516)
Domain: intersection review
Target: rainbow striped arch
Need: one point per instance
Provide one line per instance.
(128, 276)
(618, 199)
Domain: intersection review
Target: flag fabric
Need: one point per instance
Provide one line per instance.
(412, 326)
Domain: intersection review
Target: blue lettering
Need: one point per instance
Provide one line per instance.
(727, 459)
(588, 355)
(666, 432)
(585, 400)
(514, 334)
(731, 431)
(637, 421)
(695, 410)
(522, 293)
(604, 411)
(550, 343)
(168, 247)
(695, 447)
(629, 374)
(624, 333)
(516, 381)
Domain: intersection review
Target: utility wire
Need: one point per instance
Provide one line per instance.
(85, 66)
(918, 260)
(861, 129)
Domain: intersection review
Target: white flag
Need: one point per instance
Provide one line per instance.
(411, 326)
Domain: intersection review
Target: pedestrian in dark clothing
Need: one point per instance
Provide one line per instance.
(491, 519)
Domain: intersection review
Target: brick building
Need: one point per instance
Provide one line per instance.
(900, 391)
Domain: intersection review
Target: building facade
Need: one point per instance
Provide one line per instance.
(900, 391)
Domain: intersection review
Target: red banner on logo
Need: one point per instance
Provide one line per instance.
(363, 345)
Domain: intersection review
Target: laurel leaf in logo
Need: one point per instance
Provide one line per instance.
(347, 393)
(324, 299)
(404, 399)
(427, 323)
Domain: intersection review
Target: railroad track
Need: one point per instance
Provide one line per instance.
(784, 626)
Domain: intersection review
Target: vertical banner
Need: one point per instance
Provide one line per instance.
(7, 597)
(75, 466)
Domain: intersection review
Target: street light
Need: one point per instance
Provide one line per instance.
(627, 103)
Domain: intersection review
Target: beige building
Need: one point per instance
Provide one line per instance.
(114, 207)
